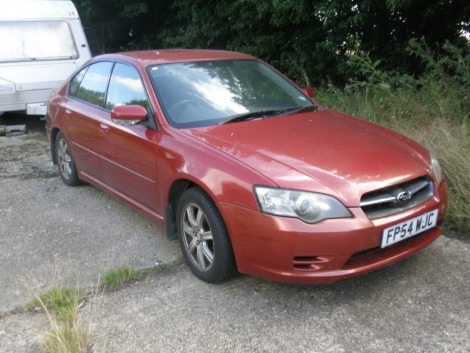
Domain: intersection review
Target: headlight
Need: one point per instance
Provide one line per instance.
(436, 169)
(308, 206)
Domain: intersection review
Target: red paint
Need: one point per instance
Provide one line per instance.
(322, 151)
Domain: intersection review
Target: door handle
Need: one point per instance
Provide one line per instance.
(104, 128)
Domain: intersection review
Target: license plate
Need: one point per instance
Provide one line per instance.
(407, 229)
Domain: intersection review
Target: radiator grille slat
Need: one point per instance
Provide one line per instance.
(397, 198)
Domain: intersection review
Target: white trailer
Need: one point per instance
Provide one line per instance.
(42, 42)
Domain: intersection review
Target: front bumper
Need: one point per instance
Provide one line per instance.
(289, 250)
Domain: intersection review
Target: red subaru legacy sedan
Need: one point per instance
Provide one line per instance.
(243, 167)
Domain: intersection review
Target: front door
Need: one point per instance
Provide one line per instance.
(129, 153)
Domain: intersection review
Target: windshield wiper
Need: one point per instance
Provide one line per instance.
(252, 116)
(298, 110)
(268, 113)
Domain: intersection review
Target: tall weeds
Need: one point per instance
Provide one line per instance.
(433, 109)
(68, 334)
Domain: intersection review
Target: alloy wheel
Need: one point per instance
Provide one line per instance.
(197, 237)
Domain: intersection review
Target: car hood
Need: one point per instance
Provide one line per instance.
(322, 151)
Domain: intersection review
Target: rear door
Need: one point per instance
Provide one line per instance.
(83, 116)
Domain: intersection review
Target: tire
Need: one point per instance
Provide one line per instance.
(203, 237)
(67, 169)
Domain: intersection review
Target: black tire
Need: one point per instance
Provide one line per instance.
(203, 237)
(67, 169)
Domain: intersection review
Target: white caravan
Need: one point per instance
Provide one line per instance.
(41, 44)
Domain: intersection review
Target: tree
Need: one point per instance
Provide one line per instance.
(118, 25)
(383, 28)
(287, 34)
(311, 41)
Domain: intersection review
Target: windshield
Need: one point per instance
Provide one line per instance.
(207, 93)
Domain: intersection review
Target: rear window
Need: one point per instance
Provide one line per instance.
(36, 40)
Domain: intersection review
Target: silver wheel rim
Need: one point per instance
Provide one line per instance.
(64, 159)
(197, 237)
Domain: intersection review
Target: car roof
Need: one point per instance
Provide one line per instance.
(153, 57)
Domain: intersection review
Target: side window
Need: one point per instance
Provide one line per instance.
(75, 83)
(90, 84)
(125, 88)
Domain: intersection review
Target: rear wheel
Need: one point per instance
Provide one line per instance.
(67, 169)
(203, 237)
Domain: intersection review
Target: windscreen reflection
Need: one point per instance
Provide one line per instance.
(208, 92)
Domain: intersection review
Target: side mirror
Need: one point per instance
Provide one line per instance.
(127, 115)
(309, 91)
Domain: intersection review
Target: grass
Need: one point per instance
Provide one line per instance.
(433, 109)
(116, 278)
(37, 137)
(58, 300)
(68, 331)
(68, 334)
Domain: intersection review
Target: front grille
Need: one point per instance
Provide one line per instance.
(397, 198)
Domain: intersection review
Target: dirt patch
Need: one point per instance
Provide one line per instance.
(25, 157)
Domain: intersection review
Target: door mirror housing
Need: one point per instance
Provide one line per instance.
(309, 91)
(127, 115)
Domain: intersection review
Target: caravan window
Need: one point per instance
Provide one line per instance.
(36, 40)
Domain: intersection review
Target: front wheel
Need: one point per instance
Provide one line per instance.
(67, 169)
(203, 237)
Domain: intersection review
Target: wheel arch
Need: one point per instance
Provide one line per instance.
(53, 137)
(177, 188)
(174, 193)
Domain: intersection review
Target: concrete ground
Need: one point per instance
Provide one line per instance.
(53, 235)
